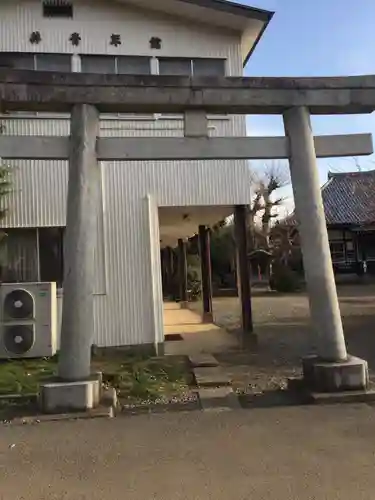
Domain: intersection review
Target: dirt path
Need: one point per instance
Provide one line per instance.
(282, 324)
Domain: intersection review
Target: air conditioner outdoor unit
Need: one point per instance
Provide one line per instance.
(28, 320)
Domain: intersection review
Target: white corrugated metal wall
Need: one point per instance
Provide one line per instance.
(95, 21)
(39, 197)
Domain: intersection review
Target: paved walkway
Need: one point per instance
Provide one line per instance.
(307, 453)
(197, 337)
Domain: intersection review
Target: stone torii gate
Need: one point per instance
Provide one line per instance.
(85, 96)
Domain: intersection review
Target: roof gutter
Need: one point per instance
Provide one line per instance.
(268, 16)
(234, 8)
(238, 9)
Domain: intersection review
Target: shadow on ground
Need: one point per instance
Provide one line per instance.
(285, 336)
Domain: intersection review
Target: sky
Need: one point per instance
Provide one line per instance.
(317, 38)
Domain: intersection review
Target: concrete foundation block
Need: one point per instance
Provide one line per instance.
(58, 397)
(98, 388)
(109, 397)
(218, 397)
(323, 376)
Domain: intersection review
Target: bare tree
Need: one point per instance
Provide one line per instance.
(265, 203)
(359, 164)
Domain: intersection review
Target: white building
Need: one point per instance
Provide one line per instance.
(170, 37)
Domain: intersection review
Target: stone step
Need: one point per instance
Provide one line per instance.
(299, 387)
(218, 399)
(365, 396)
(210, 377)
(203, 361)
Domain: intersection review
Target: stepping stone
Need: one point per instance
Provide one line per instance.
(210, 377)
(218, 399)
(203, 361)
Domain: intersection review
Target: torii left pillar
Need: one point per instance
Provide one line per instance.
(76, 388)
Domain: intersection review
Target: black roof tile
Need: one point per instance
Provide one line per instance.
(348, 198)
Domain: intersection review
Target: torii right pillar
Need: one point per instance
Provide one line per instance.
(331, 369)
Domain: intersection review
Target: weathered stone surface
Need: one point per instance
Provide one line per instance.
(41, 91)
(218, 398)
(322, 376)
(79, 266)
(210, 377)
(99, 412)
(363, 396)
(320, 280)
(306, 395)
(57, 397)
(177, 148)
(203, 361)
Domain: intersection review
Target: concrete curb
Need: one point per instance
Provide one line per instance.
(106, 409)
(101, 412)
(159, 408)
(27, 398)
(18, 397)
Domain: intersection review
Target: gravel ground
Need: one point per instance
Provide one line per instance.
(282, 324)
(299, 453)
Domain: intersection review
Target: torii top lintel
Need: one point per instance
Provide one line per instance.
(59, 92)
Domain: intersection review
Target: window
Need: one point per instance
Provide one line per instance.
(131, 65)
(40, 62)
(174, 66)
(36, 254)
(51, 254)
(121, 65)
(191, 67)
(209, 67)
(350, 251)
(17, 60)
(98, 64)
(337, 251)
(32, 255)
(54, 62)
(57, 8)
(19, 256)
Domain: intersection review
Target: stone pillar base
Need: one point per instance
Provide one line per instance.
(323, 376)
(184, 304)
(61, 396)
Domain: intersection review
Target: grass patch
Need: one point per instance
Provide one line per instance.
(24, 377)
(136, 378)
